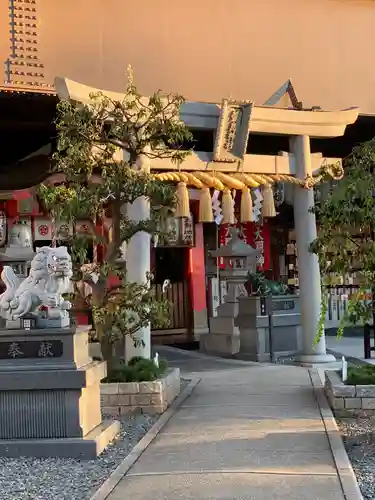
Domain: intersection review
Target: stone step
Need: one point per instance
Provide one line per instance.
(228, 309)
(219, 344)
(219, 325)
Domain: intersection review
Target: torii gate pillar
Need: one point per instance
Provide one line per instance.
(138, 258)
(308, 264)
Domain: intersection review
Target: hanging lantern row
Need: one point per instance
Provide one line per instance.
(228, 185)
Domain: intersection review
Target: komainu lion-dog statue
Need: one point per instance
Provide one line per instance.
(48, 280)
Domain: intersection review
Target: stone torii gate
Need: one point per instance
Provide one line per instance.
(233, 121)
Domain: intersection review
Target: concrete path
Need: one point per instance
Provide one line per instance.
(349, 347)
(195, 364)
(251, 433)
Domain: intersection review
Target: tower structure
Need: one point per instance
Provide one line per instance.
(23, 67)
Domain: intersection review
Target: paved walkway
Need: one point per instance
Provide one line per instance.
(251, 433)
(349, 347)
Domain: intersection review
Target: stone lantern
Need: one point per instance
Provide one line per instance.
(239, 259)
(19, 251)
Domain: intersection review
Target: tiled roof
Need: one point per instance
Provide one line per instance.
(27, 89)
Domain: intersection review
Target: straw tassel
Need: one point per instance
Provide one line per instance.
(268, 207)
(228, 208)
(205, 206)
(246, 206)
(182, 208)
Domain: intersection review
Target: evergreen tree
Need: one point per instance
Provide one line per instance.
(346, 238)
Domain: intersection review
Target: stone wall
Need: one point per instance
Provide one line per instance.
(150, 397)
(349, 400)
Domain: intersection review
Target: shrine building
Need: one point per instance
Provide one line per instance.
(277, 94)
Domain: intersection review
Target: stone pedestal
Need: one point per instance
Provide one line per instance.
(239, 260)
(50, 395)
(220, 344)
(253, 323)
(224, 335)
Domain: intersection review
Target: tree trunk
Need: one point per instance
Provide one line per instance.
(106, 344)
(98, 291)
(107, 349)
(114, 246)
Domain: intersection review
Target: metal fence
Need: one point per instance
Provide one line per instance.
(338, 304)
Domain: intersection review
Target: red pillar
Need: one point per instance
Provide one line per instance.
(197, 282)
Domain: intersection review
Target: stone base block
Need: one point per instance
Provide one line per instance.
(349, 401)
(255, 341)
(13, 324)
(63, 322)
(151, 397)
(219, 344)
(222, 325)
(86, 448)
(318, 360)
(50, 395)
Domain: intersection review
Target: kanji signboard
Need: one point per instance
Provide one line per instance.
(31, 349)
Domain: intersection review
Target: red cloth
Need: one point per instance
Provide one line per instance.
(254, 231)
(250, 231)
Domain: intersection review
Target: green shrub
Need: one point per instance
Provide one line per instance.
(361, 375)
(135, 360)
(138, 369)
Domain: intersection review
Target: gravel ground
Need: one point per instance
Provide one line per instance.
(68, 479)
(359, 440)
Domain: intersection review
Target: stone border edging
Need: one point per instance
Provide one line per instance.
(120, 398)
(344, 468)
(121, 470)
